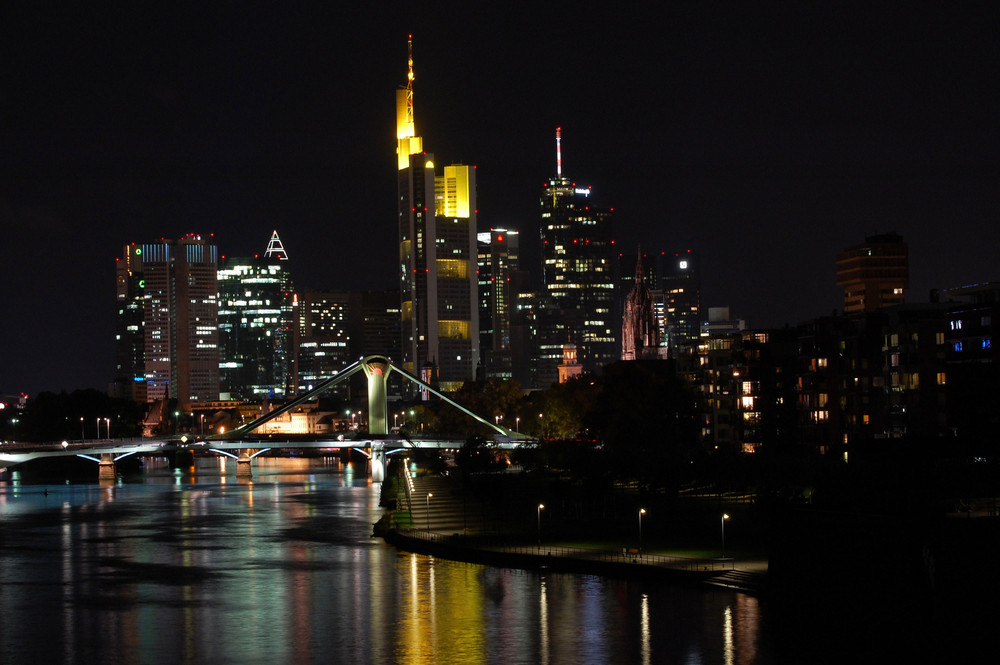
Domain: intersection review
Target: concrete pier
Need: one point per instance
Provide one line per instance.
(106, 468)
(243, 467)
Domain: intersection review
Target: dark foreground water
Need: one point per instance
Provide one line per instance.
(197, 567)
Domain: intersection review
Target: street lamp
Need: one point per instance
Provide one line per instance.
(724, 518)
(540, 507)
(98, 427)
(201, 428)
(517, 424)
(395, 420)
(541, 424)
(107, 426)
(642, 511)
(82, 433)
(428, 513)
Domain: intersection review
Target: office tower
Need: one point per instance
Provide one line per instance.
(178, 282)
(680, 285)
(323, 342)
(130, 344)
(377, 327)
(498, 270)
(874, 274)
(439, 309)
(577, 270)
(255, 325)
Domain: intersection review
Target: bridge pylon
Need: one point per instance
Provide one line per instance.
(377, 370)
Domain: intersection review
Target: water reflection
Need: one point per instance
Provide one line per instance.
(188, 568)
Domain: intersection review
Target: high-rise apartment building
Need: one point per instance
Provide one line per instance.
(874, 274)
(177, 281)
(439, 308)
(497, 269)
(577, 271)
(256, 325)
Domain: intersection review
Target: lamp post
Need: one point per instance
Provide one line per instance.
(201, 427)
(724, 518)
(541, 424)
(98, 428)
(517, 424)
(541, 506)
(642, 511)
(82, 433)
(395, 420)
(107, 426)
(428, 513)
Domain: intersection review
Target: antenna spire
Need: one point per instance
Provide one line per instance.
(409, 79)
(558, 152)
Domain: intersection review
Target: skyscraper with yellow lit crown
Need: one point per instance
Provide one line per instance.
(437, 257)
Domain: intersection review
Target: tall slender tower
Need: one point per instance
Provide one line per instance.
(437, 256)
(577, 270)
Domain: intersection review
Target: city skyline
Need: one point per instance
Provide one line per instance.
(768, 139)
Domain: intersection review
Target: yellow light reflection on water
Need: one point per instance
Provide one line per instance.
(442, 613)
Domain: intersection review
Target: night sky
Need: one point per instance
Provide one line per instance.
(765, 136)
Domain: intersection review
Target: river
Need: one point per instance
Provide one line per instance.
(193, 566)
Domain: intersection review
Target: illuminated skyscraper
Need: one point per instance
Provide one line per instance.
(874, 274)
(498, 270)
(178, 283)
(437, 255)
(680, 286)
(255, 325)
(577, 270)
(324, 340)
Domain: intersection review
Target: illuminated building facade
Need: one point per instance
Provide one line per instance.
(640, 332)
(874, 274)
(256, 359)
(439, 309)
(577, 273)
(178, 282)
(674, 280)
(497, 272)
(323, 341)
(130, 344)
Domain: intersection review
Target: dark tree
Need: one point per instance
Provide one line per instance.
(646, 420)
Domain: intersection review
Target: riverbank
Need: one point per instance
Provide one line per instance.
(436, 515)
(748, 577)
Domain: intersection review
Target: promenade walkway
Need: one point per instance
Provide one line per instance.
(445, 522)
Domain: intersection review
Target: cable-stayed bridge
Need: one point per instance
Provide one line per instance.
(244, 443)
